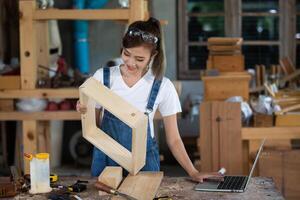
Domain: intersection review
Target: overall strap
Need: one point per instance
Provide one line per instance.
(106, 76)
(153, 94)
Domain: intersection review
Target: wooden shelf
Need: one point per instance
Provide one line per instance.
(271, 133)
(45, 115)
(85, 14)
(70, 93)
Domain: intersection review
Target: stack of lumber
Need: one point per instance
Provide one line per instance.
(225, 54)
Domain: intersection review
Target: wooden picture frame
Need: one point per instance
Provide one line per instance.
(92, 92)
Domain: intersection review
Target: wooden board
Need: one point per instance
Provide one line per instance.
(221, 146)
(144, 185)
(6, 105)
(10, 82)
(29, 140)
(283, 167)
(92, 92)
(219, 88)
(224, 41)
(111, 176)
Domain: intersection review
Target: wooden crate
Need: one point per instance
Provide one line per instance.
(226, 63)
(219, 88)
(263, 120)
(10, 82)
(283, 167)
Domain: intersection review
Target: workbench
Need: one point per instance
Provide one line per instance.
(179, 188)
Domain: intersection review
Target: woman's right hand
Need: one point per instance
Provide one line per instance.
(80, 108)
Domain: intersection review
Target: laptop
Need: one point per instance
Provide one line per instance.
(230, 183)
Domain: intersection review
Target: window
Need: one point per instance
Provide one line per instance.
(201, 19)
(268, 28)
(260, 31)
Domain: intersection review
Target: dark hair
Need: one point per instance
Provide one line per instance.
(151, 28)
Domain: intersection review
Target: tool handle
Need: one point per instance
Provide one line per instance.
(101, 186)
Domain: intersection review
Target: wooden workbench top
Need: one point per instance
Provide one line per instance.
(180, 188)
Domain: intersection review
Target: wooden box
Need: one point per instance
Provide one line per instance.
(226, 63)
(220, 88)
(263, 120)
(6, 105)
(283, 167)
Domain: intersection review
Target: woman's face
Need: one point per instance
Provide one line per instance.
(136, 59)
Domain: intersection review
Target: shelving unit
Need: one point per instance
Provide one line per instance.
(34, 51)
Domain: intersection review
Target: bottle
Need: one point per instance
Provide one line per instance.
(39, 173)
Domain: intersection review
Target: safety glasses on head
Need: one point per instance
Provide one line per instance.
(147, 37)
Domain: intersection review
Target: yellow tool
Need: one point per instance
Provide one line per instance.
(53, 178)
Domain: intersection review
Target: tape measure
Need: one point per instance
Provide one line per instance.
(53, 178)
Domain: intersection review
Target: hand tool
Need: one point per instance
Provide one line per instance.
(110, 190)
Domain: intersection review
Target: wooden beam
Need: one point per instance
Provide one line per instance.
(49, 115)
(85, 14)
(28, 53)
(271, 133)
(29, 140)
(71, 93)
(136, 11)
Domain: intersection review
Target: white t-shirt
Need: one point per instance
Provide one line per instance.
(167, 101)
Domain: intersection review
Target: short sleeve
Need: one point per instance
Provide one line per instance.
(170, 103)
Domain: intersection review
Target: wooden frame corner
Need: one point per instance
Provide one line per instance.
(92, 92)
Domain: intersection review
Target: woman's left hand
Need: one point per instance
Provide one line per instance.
(200, 177)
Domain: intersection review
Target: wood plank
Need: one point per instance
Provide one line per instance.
(46, 115)
(85, 14)
(220, 137)
(28, 52)
(225, 40)
(271, 165)
(29, 140)
(144, 185)
(10, 82)
(137, 11)
(71, 93)
(287, 120)
(111, 176)
(291, 174)
(221, 48)
(42, 48)
(271, 133)
(206, 147)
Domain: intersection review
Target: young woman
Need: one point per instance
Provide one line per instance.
(140, 81)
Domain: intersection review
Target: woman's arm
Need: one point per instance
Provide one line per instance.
(178, 150)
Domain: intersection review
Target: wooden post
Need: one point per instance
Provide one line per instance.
(28, 57)
(28, 44)
(137, 10)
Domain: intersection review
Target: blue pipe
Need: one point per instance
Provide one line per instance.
(81, 29)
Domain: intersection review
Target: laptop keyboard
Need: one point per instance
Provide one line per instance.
(233, 182)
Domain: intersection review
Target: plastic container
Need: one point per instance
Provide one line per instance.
(39, 173)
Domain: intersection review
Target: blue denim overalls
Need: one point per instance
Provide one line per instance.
(122, 133)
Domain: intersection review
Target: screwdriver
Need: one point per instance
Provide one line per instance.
(101, 186)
